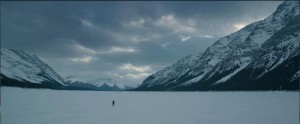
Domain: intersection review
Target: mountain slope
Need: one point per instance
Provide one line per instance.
(245, 60)
(19, 68)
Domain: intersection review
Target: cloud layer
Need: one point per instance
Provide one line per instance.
(126, 41)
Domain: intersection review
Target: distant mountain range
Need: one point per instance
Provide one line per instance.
(20, 69)
(261, 56)
(103, 84)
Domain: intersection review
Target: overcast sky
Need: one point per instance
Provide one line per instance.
(125, 41)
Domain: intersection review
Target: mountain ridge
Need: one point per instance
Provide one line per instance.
(259, 48)
(19, 68)
(102, 84)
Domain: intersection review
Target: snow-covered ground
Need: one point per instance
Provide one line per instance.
(37, 106)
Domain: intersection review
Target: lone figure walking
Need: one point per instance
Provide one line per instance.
(113, 103)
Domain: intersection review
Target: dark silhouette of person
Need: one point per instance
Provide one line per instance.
(113, 103)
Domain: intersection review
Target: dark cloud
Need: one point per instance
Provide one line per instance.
(121, 39)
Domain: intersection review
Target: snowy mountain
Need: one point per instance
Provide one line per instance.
(74, 83)
(103, 84)
(19, 68)
(261, 56)
(100, 81)
(110, 84)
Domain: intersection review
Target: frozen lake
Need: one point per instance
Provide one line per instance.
(37, 106)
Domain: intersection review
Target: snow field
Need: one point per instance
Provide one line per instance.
(40, 106)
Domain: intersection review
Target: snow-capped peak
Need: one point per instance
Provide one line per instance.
(74, 79)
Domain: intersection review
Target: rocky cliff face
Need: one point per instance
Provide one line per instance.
(261, 56)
